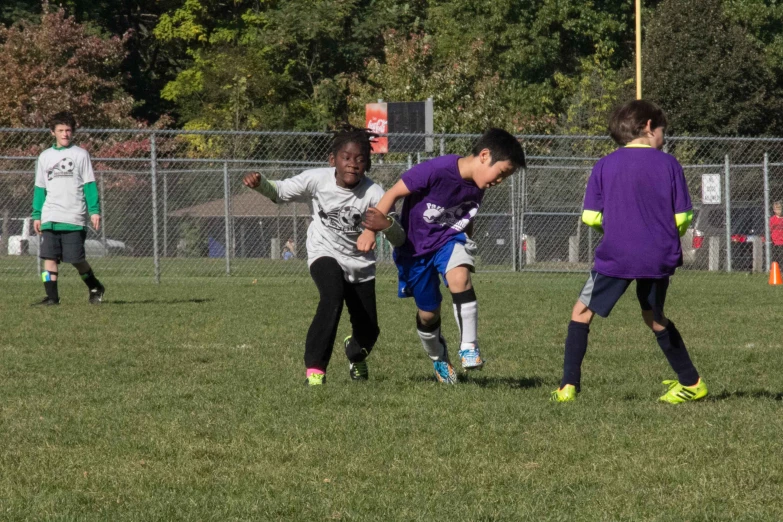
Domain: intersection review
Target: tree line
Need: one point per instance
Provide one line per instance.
(531, 66)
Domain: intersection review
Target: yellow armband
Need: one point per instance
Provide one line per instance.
(683, 221)
(593, 219)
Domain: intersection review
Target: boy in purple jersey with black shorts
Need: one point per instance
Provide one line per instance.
(442, 196)
(638, 198)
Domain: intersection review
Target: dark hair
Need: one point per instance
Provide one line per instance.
(347, 133)
(62, 118)
(628, 121)
(502, 146)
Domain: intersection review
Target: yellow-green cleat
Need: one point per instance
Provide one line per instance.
(678, 393)
(565, 394)
(315, 379)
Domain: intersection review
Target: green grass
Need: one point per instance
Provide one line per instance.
(185, 401)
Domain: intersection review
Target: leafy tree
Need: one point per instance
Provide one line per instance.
(707, 72)
(58, 65)
(272, 65)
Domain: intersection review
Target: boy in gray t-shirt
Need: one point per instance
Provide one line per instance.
(65, 193)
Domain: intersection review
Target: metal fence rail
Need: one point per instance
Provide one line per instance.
(174, 205)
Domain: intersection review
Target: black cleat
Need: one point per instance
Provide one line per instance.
(358, 371)
(96, 295)
(47, 302)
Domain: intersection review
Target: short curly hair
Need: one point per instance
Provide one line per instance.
(347, 133)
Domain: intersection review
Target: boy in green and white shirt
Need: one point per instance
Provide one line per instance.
(65, 194)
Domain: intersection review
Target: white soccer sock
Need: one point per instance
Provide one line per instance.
(466, 314)
(430, 340)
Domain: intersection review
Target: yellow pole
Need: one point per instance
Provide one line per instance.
(638, 49)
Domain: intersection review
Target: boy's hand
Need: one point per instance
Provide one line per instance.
(375, 220)
(252, 180)
(37, 226)
(96, 221)
(366, 241)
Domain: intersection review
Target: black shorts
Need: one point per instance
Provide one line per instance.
(65, 246)
(601, 293)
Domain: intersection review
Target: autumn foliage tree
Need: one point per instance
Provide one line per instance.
(59, 64)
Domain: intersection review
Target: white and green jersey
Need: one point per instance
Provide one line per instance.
(63, 173)
(337, 218)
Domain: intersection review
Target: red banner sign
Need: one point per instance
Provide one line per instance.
(377, 121)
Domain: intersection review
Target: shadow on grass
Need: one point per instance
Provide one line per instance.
(490, 382)
(755, 394)
(159, 301)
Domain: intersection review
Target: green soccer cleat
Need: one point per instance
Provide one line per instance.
(358, 371)
(565, 394)
(315, 379)
(678, 393)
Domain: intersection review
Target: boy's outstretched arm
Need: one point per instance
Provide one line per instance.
(256, 181)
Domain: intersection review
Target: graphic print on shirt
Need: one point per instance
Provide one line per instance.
(347, 219)
(457, 217)
(61, 169)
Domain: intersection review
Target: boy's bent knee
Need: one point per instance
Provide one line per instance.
(428, 318)
(459, 279)
(581, 313)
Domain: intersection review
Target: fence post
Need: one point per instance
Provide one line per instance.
(442, 145)
(154, 181)
(227, 205)
(103, 213)
(767, 245)
(521, 217)
(165, 213)
(728, 213)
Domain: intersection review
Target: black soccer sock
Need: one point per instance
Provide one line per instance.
(575, 349)
(674, 349)
(50, 285)
(90, 280)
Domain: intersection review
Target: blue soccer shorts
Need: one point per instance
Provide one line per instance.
(418, 276)
(602, 292)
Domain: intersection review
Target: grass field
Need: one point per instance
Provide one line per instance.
(185, 401)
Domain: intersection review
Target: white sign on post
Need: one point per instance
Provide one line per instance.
(710, 189)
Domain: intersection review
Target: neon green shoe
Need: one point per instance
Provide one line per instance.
(315, 379)
(678, 393)
(565, 394)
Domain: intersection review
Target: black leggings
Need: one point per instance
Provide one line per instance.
(360, 300)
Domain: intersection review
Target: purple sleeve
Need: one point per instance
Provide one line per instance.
(594, 198)
(418, 178)
(682, 199)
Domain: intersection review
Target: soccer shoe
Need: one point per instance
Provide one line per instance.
(444, 372)
(358, 371)
(565, 394)
(471, 359)
(678, 393)
(315, 379)
(96, 295)
(46, 302)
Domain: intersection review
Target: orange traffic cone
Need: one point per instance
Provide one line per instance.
(774, 274)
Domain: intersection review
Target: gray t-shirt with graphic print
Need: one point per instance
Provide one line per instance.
(337, 218)
(63, 173)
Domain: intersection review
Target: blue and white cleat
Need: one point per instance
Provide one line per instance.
(471, 359)
(444, 372)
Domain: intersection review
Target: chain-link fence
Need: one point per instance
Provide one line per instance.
(174, 205)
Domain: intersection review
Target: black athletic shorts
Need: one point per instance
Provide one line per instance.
(601, 293)
(65, 246)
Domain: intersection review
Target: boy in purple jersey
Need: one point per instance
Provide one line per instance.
(442, 196)
(638, 198)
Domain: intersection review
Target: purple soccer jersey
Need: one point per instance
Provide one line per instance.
(639, 190)
(440, 206)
